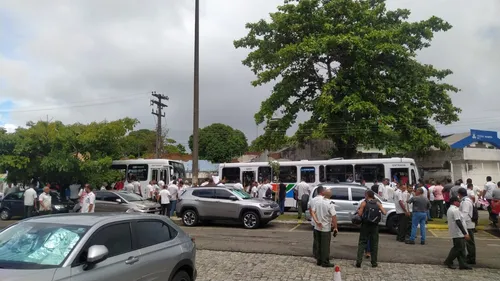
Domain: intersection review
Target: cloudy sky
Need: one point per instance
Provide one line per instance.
(82, 60)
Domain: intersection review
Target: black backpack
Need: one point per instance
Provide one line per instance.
(372, 213)
(475, 214)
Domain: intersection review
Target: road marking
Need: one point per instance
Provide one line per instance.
(432, 232)
(297, 226)
(488, 234)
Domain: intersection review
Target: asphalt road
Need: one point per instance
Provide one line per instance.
(297, 241)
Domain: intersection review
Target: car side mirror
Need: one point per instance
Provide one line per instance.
(118, 200)
(97, 254)
(234, 198)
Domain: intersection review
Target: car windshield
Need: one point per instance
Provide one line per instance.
(30, 245)
(130, 197)
(241, 193)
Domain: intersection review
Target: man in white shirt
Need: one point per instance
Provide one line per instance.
(164, 199)
(302, 189)
(263, 189)
(148, 190)
(238, 185)
(310, 204)
(45, 201)
(173, 189)
(325, 218)
(401, 211)
(29, 201)
(129, 187)
(467, 211)
(74, 189)
(104, 186)
(88, 205)
(459, 234)
(137, 186)
(431, 199)
(383, 189)
(254, 190)
(488, 195)
(205, 182)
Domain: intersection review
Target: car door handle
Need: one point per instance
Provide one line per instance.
(355, 203)
(132, 260)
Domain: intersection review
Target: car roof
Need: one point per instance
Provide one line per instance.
(89, 219)
(340, 183)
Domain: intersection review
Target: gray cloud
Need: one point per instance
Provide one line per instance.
(78, 52)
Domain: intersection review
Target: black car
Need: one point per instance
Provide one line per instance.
(12, 205)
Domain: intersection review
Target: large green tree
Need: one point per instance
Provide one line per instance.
(352, 65)
(55, 152)
(220, 143)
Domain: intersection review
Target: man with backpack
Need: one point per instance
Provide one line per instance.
(469, 214)
(421, 206)
(370, 211)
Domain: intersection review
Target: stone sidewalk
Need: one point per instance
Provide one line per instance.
(233, 266)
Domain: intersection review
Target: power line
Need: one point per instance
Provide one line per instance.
(158, 113)
(112, 100)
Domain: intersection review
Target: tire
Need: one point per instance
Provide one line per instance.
(392, 224)
(5, 215)
(190, 217)
(181, 276)
(250, 220)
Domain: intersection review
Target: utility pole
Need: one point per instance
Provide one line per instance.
(159, 114)
(196, 92)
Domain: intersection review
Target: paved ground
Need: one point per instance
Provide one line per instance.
(294, 241)
(229, 266)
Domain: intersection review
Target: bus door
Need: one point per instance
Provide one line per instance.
(248, 176)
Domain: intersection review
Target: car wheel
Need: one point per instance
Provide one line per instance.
(392, 224)
(190, 218)
(181, 276)
(251, 220)
(5, 215)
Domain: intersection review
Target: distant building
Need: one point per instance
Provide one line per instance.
(474, 155)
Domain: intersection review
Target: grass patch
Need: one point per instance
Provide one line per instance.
(289, 217)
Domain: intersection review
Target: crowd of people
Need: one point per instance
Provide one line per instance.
(415, 206)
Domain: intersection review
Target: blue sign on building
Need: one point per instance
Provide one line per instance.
(490, 137)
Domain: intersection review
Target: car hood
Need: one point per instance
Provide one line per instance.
(27, 274)
(145, 204)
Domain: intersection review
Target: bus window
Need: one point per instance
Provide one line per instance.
(264, 174)
(231, 175)
(401, 175)
(342, 173)
(179, 171)
(322, 177)
(288, 174)
(139, 170)
(308, 174)
(369, 172)
(155, 175)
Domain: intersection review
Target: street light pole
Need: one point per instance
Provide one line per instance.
(196, 94)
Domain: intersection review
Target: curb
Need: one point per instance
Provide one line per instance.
(429, 226)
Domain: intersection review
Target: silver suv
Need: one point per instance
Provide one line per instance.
(221, 203)
(123, 201)
(348, 197)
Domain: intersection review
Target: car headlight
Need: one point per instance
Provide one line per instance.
(265, 205)
(58, 207)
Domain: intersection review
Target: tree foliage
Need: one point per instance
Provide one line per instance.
(352, 65)
(54, 152)
(220, 143)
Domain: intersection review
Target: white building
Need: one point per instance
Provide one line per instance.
(473, 155)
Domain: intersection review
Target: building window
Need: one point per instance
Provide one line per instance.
(369, 172)
(308, 174)
(341, 173)
(231, 175)
(288, 174)
(264, 174)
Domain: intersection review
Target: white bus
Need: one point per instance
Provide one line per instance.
(147, 170)
(317, 171)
